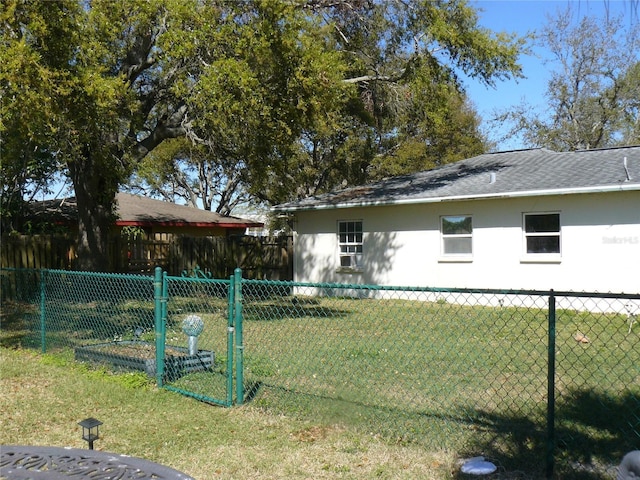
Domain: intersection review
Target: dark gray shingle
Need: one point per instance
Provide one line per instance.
(522, 172)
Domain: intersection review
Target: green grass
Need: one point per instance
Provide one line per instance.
(43, 397)
(471, 378)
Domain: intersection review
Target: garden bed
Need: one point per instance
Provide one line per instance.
(141, 356)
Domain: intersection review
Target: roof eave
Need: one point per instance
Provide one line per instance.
(147, 223)
(459, 198)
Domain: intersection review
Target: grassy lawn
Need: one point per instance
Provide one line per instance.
(466, 377)
(339, 387)
(42, 397)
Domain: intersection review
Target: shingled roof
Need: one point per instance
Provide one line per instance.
(134, 210)
(531, 172)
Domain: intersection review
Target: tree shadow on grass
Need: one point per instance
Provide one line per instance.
(17, 325)
(275, 312)
(593, 432)
(595, 428)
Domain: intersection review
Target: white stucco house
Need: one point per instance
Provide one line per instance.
(528, 219)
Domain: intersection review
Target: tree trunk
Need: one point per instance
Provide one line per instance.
(95, 190)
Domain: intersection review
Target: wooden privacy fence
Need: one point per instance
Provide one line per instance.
(37, 251)
(269, 258)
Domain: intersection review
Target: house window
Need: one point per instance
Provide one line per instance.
(542, 233)
(350, 241)
(456, 235)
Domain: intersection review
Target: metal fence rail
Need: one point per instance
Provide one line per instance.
(536, 381)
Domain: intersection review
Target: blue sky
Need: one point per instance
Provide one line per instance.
(522, 16)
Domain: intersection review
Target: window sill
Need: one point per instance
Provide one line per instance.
(541, 258)
(349, 270)
(455, 259)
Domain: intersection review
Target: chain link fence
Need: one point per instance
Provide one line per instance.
(597, 379)
(480, 372)
(534, 381)
(55, 309)
(198, 320)
(121, 321)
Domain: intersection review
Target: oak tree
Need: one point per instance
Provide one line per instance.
(308, 92)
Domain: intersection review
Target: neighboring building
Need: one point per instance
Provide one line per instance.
(150, 216)
(528, 219)
(149, 233)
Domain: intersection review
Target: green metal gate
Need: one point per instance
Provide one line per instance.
(203, 314)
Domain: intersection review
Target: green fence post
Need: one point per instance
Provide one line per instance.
(551, 385)
(43, 315)
(163, 304)
(159, 330)
(230, 336)
(163, 322)
(237, 286)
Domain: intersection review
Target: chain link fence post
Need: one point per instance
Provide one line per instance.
(237, 309)
(159, 331)
(551, 386)
(230, 339)
(43, 312)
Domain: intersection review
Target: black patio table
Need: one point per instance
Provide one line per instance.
(25, 462)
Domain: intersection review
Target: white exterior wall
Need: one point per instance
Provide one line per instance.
(600, 244)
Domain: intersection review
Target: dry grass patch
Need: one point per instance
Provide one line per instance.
(43, 397)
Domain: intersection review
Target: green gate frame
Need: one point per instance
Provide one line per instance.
(234, 339)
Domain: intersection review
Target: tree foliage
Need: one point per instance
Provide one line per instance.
(390, 100)
(29, 107)
(181, 169)
(593, 93)
(268, 98)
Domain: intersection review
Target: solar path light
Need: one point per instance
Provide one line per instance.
(192, 326)
(90, 430)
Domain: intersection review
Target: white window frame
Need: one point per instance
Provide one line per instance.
(350, 245)
(461, 256)
(541, 256)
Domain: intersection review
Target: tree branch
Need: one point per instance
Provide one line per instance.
(168, 126)
(139, 57)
